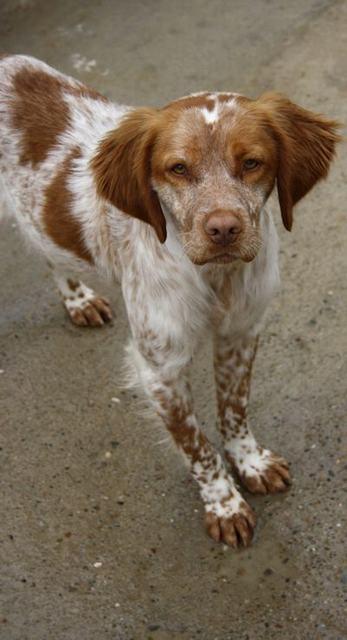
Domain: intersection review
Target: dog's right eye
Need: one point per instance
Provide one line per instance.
(251, 163)
(179, 169)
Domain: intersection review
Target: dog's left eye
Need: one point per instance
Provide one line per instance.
(179, 169)
(251, 163)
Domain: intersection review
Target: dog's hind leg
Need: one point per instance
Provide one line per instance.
(84, 307)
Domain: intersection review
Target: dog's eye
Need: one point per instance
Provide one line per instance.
(250, 164)
(179, 169)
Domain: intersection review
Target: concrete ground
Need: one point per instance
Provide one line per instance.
(101, 529)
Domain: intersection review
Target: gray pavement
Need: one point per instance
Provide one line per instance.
(101, 528)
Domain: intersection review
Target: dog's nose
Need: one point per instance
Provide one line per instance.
(223, 227)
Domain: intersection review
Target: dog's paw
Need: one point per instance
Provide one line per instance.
(84, 306)
(90, 313)
(261, 471)
(231, 521)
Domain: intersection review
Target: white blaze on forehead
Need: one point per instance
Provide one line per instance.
(212, 116)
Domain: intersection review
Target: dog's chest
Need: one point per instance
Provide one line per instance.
(169, 297)
(241, 294)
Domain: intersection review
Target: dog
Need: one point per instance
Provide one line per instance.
(170, 202)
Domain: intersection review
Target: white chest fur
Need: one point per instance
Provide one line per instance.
(171, 302)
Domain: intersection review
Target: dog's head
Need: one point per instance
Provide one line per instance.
(211, 161)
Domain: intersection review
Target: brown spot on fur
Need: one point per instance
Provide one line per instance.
(73, 284)
(190, 439)
(226, 498)
(59, 223)
(191, 102)
(238, 387)
(40, 111)
(225, 97)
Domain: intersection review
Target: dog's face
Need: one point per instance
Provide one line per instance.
(211, 161)
(213, 167)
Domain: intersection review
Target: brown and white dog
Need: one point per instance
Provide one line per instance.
(170, 202)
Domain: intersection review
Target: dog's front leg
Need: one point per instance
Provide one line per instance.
(260, 470)
(227, 516)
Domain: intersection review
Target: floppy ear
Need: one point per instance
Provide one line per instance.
(122, 168)
(306, 144)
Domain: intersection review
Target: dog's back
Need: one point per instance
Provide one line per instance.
(47, 119)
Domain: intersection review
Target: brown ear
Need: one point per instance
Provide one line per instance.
(122, 167)
(306, 148)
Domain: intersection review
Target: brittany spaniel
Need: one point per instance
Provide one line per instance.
(172, 203)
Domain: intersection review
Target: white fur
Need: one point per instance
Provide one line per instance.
(211, 117)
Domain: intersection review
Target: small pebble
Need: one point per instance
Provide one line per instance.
(115, 399)
(108, 454)
(97, 565)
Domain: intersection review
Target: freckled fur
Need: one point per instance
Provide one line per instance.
(96, 187)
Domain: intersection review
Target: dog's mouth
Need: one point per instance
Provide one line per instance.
(241, 251)
(219, 258)
(222, 258)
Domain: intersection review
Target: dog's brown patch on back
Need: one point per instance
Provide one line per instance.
(58, 220)
(40, 111)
